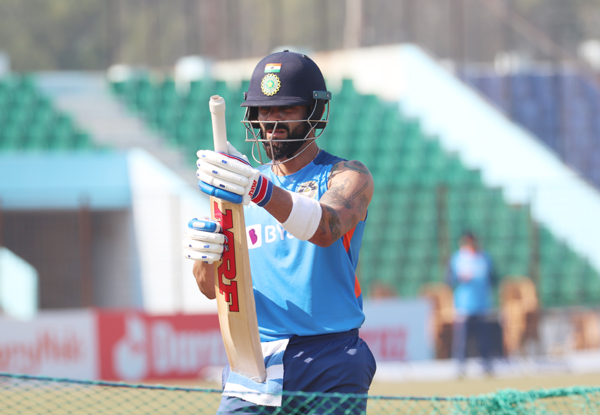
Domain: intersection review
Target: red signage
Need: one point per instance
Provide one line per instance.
(136, 346)
(387, 343)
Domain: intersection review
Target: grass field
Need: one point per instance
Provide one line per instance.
(464, 387)
(469, 387)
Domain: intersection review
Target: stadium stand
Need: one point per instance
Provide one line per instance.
(183, 119)
(425, 197)
(30, 122)
(558, 106)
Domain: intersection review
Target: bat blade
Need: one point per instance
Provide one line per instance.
(233, 280)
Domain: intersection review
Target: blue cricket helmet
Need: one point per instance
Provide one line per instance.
(287, 78)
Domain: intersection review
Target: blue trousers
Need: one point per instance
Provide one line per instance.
(339, 362)
(480, 327)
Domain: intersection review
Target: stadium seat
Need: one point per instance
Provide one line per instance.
(11, 139)
(558, 107)
(29, 121)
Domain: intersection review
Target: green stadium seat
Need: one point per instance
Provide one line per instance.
(222, 89)
(28, 120)
(548, 295)
(167, 91)
(82, 141)
(200, 89)
(553, 251)
(11, 139)
(118, 87)
(18, 116)
(592, 285)
(24, 99)
(43, 117)
(347, 92)
(412, 271)
(568, 292)
(517, 267)
(37, 139)
(410, 289)
(61, 141)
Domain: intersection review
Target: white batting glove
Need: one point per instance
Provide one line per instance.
(232, 178)
(203, 241)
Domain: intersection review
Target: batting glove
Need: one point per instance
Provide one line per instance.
(203, 241)
(230, 177)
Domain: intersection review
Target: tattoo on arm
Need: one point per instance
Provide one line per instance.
(334, 223)
(358, 192)
(348, 193)
(347, 201)
(348, 165)
(322, 225)
(356, 166)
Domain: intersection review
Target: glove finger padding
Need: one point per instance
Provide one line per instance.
(203, 241)
(204, 236)
(227, 161)
(221, 173)
(202, 246)
(208, 257)
(221, 184)
(231, 173)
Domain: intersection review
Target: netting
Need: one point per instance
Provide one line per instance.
(22, 394)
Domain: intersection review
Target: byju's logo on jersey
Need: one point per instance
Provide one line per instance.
(254, 236)
(308, 189)
(257, 235)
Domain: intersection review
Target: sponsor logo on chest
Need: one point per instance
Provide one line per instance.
(258, 235)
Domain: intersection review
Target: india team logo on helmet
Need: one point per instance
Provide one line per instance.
(270, 84)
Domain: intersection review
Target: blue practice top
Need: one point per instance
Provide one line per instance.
(474, 296)
(300, 288)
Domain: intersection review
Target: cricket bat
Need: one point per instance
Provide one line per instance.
(233, 281)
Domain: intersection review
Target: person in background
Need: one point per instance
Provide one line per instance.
(471, 275)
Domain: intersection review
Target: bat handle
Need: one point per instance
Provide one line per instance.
(217, 111)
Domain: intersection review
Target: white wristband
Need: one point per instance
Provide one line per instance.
(304, 218)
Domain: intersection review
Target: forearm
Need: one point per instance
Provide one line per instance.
(280, 205)
(330, 227)
(312, 221)
(205, 278)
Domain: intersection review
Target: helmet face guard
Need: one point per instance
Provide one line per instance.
(286, 79)
(314, 124)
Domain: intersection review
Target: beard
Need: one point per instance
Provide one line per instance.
(280, 150)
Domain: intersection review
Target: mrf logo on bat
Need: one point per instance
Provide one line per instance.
(227, 270)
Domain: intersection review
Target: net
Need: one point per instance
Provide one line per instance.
(23, 394)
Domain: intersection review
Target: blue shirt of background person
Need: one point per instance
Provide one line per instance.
(471, 275)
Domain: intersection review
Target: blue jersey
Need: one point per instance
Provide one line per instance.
(474, 296)
(300, 288)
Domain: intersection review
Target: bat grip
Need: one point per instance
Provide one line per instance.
(217, 111)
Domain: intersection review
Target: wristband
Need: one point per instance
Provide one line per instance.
(263, 192)
(304, 218)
